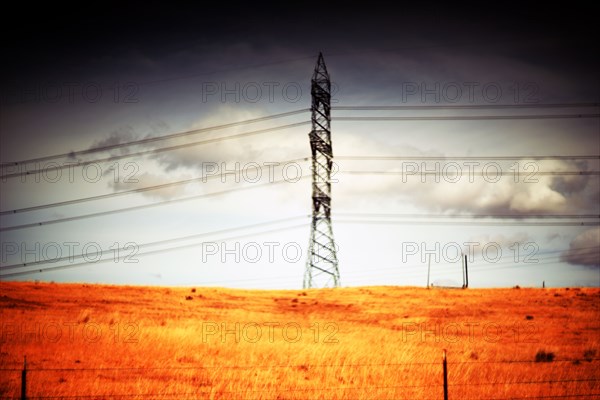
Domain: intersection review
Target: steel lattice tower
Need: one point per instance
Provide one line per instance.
(322, 264)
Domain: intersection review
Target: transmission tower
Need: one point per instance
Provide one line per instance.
(322, 264)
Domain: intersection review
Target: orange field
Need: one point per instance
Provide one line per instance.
(126, 342)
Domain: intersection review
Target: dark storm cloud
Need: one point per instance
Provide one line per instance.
(541, 194)
(584, 249)
(123, 135)
(372, 50)
(127, 134)
(57, 40)
(572, 184)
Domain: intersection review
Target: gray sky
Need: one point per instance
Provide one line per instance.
(144, 71)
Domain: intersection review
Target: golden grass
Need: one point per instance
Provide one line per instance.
(350, 343)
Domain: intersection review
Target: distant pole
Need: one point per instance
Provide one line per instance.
(428, 268)
(543, 284)
(445, 377)
(24, 379)
(462, 264)
(466, 272)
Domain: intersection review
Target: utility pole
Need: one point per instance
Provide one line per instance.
(462, 265)
(466, 272)
(428, 268)
(322, 264)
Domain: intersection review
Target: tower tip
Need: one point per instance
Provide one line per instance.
(320, 65)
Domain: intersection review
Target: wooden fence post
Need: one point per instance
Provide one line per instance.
(445, 377)
(24, 379)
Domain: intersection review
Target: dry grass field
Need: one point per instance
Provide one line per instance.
(126, 342)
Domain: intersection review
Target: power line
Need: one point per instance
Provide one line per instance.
(509, 260)
(521, 264)
(72, 154)
(464, 106)
(470, 216)
(152, 252)
(466, 158)
(143, 206)
(495, 266)
(151, 151)
(156, 243)
(371, 215)
(458, 173)
(470, 117)
(450, 266)
(466, 223)
(127, 192)
(161, 242)
(522, 259)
